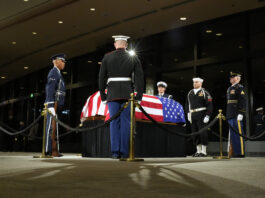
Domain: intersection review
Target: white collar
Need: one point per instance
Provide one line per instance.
(234, 84)
(196, 90)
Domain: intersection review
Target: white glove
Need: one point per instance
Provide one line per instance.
(52, 111)
(239, 117)
(206, 119)
(104, 102)
(189, 117)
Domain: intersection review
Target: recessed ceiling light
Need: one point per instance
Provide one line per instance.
(99, 63)
(60, 22)
(219, 34)
(14, 42)
(26, 0)
(89, 61)
(26, 68)
(208, 31)
(92, 9)
(3, 77)
(183, 18)
(240, 46)
(34, 33)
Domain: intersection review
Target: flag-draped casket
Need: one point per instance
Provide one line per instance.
(160, 109)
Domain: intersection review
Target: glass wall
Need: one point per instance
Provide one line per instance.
(210, 50)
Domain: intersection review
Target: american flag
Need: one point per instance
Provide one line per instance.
(161, 109)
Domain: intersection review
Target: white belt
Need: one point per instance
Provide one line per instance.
(119, 79)
(199, 109)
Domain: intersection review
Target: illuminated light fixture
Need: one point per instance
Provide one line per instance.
(92, 9)
(60, 22)
(208, 31)
(240, 46)
(99, 63)
(26, 68)
(3, 77)
(34, 33)
(65, 73)
(26, 0)
(14, 42)
(89, 61)
(132, 53)
(222, 71)
(219, 34)
(183, 18)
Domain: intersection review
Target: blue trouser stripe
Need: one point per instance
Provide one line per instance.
(235, 139)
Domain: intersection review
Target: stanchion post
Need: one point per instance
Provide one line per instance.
(44, 114)
(221, 118)
(132, 128)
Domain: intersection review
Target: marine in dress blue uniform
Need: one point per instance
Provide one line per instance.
(161, 87)
(55, 95)
(121, 74)
(235, 110)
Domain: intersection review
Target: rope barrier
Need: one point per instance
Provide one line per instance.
(244, 136)
(21, 131)
(217, 134)
(78, 129)
(203, 130)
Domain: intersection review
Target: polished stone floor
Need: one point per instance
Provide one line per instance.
(21, 175)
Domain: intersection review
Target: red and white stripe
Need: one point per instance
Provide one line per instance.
(151, 104)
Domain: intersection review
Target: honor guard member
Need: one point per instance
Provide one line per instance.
(259, 121)
(55, 94)
(199, 107)
(120, 73)
(235, 109)
(161, 88)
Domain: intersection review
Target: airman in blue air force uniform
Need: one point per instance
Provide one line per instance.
(120, 73)
(55, 94)
(235, 110)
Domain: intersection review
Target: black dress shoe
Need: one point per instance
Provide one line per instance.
(196, 155)
(115, 157)
(202, 155)
(57, 155)
(48, 154)
(238, 156)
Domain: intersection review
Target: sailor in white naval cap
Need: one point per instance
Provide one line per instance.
(199, 108)
(161, 88)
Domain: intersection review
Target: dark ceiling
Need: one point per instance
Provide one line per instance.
(30, 32)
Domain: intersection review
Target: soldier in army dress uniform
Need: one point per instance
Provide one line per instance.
(120, 73)
(235, 110)
(55, 94)
(161, 88)
(199, 108)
